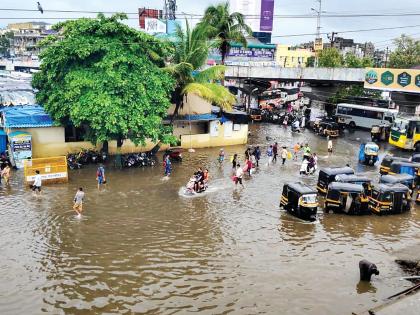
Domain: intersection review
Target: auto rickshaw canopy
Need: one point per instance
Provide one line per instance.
(346, 187)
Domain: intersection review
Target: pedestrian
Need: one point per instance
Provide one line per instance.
(167, 166)
(257, 153)
(275, 151)
(247, 153)
(315, 160)
(100, 175)
(253, 160)
(270, 154)
(296, 149)
(304, 167)
(37, 182)
(221, 156)
(234, 161)
(306, 152)
(283, 155)
(248, 166)
(78, 201)
(329, 145)
(239, 175)
(5, 173)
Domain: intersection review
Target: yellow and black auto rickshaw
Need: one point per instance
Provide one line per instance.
(327, 175)
(347, 198)
(405, 179)
(299, 200)
(380, 133)
(387, 161)
(255, 114)
(329, 129)
(360, 179)
(389, 199)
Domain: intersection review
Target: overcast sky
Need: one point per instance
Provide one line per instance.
(281, 26)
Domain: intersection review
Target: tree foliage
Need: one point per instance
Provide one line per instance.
(106, 77)
(354, 90)
(310, 62)
(5, 42)
(225, 27)
(352, 61)
(191, 52)
(330, 58)
(406, 54)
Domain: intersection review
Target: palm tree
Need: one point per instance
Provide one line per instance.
(225, 27)
(191, 52)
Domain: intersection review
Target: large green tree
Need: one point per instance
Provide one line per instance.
(406, 54)
(330, 58)
(225, 27)
(190, 54)
(106, 77)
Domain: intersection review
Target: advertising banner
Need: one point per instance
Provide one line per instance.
(266, 16)
(403, 80)
(250, 9)
(318, 44)
(154, 26)
(21, 145)
(254, 53)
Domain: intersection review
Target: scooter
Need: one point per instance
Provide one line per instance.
(190, 187)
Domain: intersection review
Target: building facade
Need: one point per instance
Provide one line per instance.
(289, 57)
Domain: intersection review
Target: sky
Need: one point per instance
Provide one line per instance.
(282, 26)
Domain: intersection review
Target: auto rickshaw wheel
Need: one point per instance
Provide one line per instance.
(352, 124)
(417, 147)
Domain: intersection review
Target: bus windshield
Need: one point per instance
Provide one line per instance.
(400, 125)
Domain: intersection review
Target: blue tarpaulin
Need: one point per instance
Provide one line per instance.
(28, 116)
(3, 139)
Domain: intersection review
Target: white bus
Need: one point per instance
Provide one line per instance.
(364, 116)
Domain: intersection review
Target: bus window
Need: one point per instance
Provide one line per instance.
(388, 118)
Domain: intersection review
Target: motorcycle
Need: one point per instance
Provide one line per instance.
(191, 185)
(72, 162)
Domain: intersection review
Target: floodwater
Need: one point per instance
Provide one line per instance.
(142, 247)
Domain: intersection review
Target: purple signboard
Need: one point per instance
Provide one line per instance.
(266, 18)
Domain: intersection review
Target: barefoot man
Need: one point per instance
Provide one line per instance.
(78, 201)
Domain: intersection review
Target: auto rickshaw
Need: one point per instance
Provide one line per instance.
(347, 198)
(405, 179)
(255, 114)
(368, 153)
(380, 133)
(356, 179)
(329, 129)
(387, 161)
(328, 174)
(389, 199)
(299, 200)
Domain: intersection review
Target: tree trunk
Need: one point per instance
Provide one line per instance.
(118, 159)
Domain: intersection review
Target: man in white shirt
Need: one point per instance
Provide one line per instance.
(37, 182)
(239, 174)
(330, 145)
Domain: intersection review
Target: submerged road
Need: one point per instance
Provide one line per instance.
(142, 247)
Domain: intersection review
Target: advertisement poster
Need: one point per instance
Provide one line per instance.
(21, 144)
(403, 80)
(266, 17)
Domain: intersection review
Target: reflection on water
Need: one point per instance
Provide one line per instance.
(143, 247)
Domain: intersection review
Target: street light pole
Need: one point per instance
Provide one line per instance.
(318, 25)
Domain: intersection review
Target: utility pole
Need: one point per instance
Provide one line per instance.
(386, 57)
(318, 25)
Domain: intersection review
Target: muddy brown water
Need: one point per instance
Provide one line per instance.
(142, 247)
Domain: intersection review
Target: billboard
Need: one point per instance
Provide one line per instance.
(318, 44)
(154, 26)
(266, 16)
(258, 13)
(403, 80)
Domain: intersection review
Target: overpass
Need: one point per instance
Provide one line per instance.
(349, 75)
(250, 71)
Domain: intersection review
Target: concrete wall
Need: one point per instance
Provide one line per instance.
(206, 140)
(47, 142)
(194, 105)
(309, 74)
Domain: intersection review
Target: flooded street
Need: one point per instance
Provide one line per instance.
(142, 247)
